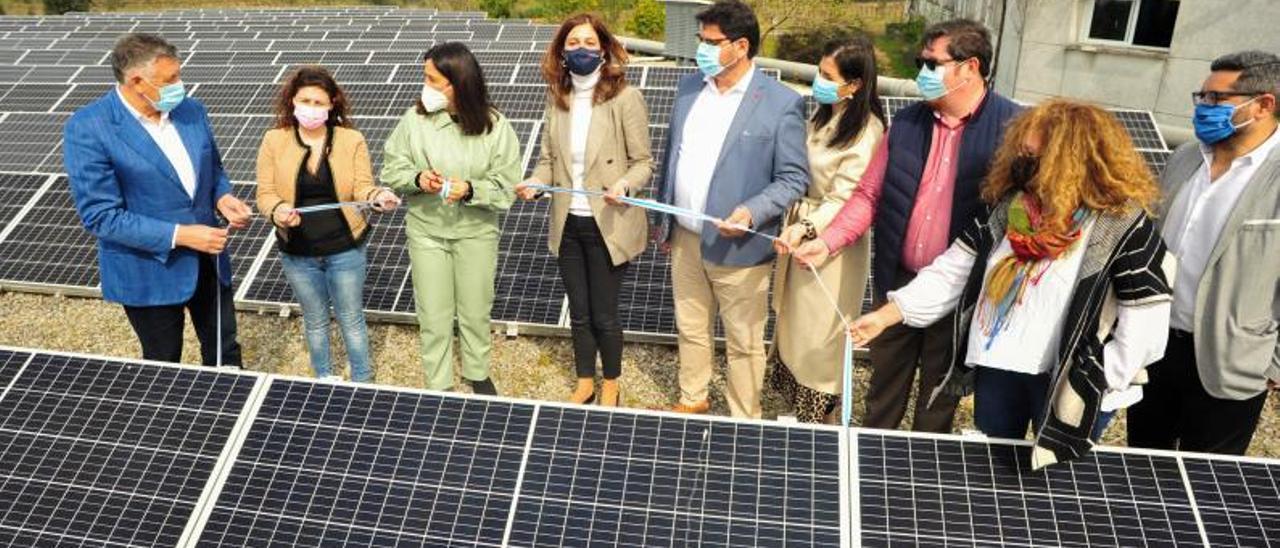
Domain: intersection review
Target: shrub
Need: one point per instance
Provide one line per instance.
(60, 7)
(805, 46)
(649, 20)
(498, 9)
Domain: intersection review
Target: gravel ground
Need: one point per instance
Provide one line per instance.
(526, 367)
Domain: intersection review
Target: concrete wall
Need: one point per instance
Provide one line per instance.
(1044, 55)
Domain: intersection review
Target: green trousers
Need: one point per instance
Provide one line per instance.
(453, 278)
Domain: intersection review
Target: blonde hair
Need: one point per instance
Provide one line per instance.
(1086, 160)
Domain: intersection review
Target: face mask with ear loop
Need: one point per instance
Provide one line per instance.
(931, 84)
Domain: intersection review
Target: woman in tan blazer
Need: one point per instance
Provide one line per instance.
(313, 157)
(843, 135)
(595, 137)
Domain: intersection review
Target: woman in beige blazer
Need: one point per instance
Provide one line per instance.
(313, 157)
(843, 134)
(595, 137)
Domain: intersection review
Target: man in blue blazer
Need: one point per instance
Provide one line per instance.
(148, 183)
(737, 152)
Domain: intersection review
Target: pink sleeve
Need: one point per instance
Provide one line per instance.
(855, 217)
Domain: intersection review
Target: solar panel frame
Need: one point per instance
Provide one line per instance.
(102, 452)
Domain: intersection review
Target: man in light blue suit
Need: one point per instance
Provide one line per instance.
(148, 183)
(737, 152)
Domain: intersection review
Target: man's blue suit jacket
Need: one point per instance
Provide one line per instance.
(764, 165)
(129, 196)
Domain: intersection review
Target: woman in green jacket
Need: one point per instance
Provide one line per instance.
(458, 161)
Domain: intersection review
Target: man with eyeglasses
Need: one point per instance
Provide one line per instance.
(737, 152)
(922, 189)
(1221, 216)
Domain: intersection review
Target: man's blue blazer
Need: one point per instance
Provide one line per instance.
(129, 196)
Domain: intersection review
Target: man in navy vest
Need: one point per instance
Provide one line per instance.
(922, 189)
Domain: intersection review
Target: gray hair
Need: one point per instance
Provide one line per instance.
(1259, 70)
(137, 50)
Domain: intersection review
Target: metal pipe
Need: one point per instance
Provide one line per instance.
(800, 72)
(889, 87)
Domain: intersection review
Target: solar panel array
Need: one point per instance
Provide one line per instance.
(233, 62)
(100, 451)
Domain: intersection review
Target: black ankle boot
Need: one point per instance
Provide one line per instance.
(484, 387)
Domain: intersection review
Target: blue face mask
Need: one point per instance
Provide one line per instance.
(708, 58)
(170, 96)
(825, 92)
(582, 61)
(930, 83)
(1213, 123)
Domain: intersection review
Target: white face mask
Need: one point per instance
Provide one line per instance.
(433, 100)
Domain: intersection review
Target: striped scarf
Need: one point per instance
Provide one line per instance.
(1034, 252)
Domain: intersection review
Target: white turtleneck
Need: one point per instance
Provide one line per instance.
(584, 88)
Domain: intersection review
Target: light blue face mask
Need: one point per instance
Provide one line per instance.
(708, 58)
(930, 83)
(825, 92)
(170, 96)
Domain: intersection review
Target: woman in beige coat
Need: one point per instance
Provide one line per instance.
(843, 134)
(313, 157)
(595, 137)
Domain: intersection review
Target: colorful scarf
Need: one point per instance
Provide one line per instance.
(1034, 252)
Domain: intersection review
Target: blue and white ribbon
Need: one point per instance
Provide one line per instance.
(846, 396)
(359, 205)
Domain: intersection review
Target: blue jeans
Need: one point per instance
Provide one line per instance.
(336, 280)
(1005, 403)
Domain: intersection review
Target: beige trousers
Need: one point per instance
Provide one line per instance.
(740, 295)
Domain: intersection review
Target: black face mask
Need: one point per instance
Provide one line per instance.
(1023, 170)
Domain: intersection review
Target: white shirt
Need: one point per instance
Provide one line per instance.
(705, 130)
(166, 136)
(1196, 219)
(1030, 343)
(580, 108)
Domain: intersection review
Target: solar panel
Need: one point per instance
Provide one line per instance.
(15, 191)
(930, 491)
(27, 140)
(661, 102)
(382, 99)
(49, 245)
(1238, 500)
(1156, 159)
(326, 464)
(234, 98)
(97, 452)
(1142, 128)
(520, 102)
(32, 97)
(620, 479)
(95, 75)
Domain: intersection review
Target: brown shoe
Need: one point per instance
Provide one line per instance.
(610, 393)
(699, 408)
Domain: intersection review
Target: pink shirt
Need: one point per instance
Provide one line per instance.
(854, 218)
(929, 229)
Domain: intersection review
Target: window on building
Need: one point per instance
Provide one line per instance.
(1137, 22)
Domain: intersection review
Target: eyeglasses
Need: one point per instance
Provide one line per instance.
(714, 41)
(922, 62)
(1217, 97)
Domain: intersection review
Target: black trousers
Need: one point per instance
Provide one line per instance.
(592, 283)
(1177, 413)
(159, 328)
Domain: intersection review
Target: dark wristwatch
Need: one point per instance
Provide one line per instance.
(471, 192)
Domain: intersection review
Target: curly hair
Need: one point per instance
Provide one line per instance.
(307, 76)
(1086, 159)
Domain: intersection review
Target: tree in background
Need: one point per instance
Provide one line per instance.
(63, 6)
(649, 20)
(498, 9)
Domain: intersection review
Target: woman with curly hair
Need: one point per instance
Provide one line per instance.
(1061, 295)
